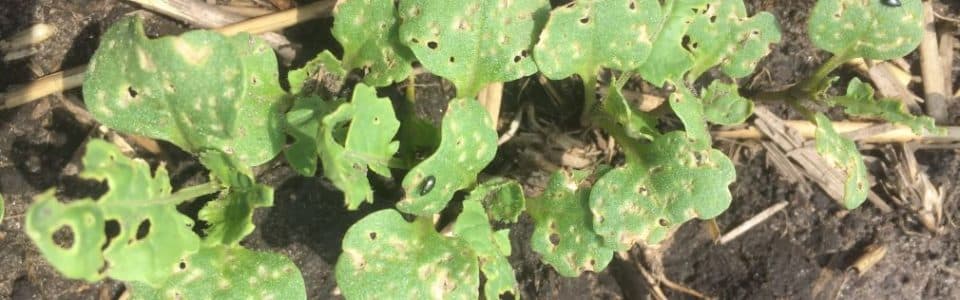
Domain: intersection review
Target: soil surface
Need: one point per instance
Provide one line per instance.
(804, 251)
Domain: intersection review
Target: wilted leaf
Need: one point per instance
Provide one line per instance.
(368, 144)
(473, 228)
(200, 90)
(152, 235)
(722, 104)
(503, 198)
(467, 145)
(868, 29)
(225, 272)
(859, 102)
(842, 153)
(564, 232)
(385, 257)
(368, 31)
(677, 179)
(636, 124)
(668, 59)
(722, 34)
(323, 74)
(473, 43)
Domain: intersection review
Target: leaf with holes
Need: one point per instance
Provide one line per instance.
(152, 235)
(842, 153)
(224, 272)
(303, 124)
(722, 104)
(468, 143)
(859, 102)
(584, 36)
(503, 198)
(676, 180)
(200, 90)
(386, 257)
(636, 124)
(473, 43)
(368, 144)
(868, 29)
(668, 60)
(230, 217)
(690, 110)
(722, 34)
(368, 31)
(492, 248)
(323, 75)
(564, 232)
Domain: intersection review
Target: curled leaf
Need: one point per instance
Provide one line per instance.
(503, 198)
(722, 104)
(859, 102)
(200, 90)
(842, 153)
(368, 31)
(229, 218)
(722, 34)
(152, 234)
(636, 124)
(492, 248)
(324, 74)
(868, 29)
(468, 143)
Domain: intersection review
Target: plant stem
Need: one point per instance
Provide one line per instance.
(589, 96)
(183, 195)
(811, 84)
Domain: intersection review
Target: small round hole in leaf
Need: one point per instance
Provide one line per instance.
(432, 45)
(554, 239)
(664, 222)
(452, 60)
(183, 265)
(132, 92)
(373, 235)
(585, 20)
(63, 237)
(517, 58)
(143, 229)
(414, 40)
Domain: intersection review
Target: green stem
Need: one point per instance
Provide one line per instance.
(183, 195)
(810, 85)
(589, 96)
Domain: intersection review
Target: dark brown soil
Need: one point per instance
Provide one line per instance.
(802, 252)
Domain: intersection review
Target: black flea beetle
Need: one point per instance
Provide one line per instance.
(427, 185)
(892, 3)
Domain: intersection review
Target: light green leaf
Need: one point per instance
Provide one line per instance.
(722, 34)
(564, 232)
(303, 123)
(468, 143)
(722, 104)
(137, 200)
(385, 257)
(368, 31)
(224, 272)
(584, 36)
(636, 124)
(859, 102)
(503, 198)
(868, 29)
(677, 180)
(323, 74)
(230, 216)
(668, 59)
(368, 144)
(200, 90)
(473, 228)
(690, 110)
(842, 153)
(473, 43)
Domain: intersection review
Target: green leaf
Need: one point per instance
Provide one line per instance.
(678, 179)
(842, 153)
(723, 34)
(230, 216)
(859, 101)
(473, 43)
(385, 257)
(323, 74)
(200, 90)
(503, 198)
(303, 123)
(690, 110)
(722, 104)
(584, 36)
(224, 272)
(636, 124)
(564, 232)
(868, 29)
(137, 201)
(368, 31)
(467, 145)
(473, 228)
(368, 144)
(668, 59)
